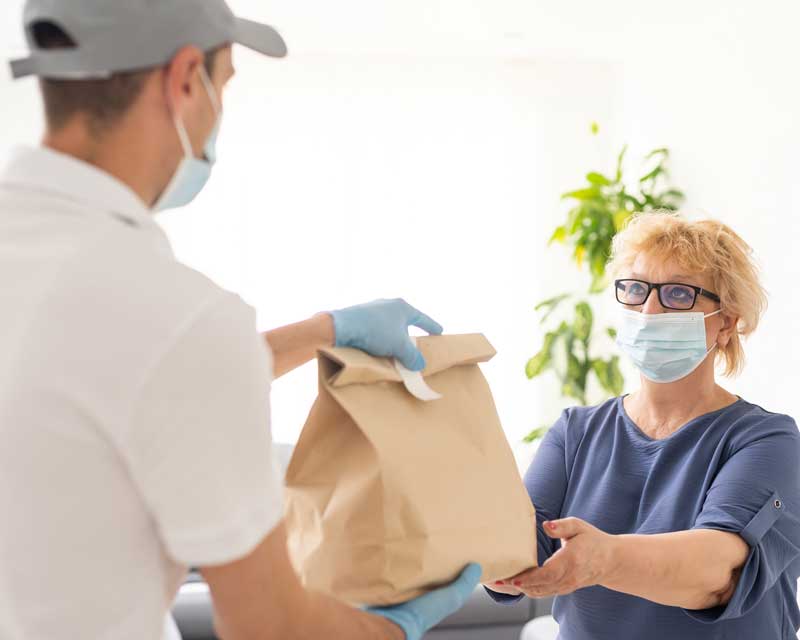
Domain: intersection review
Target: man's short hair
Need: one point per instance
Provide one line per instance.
(103, 101)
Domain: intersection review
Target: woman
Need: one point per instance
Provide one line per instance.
(671, 512)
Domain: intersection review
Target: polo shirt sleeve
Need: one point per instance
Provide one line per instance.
(546, 482)
(199, 445)
(756, 494)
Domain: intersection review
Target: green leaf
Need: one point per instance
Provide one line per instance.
(621, 217)
(616, 379)
(574, 219)
(609, 375)
(637, 204)
(598, 264)
(612, 333)
(569, 390)
(580, 250)
(536, 434)
(595, 128)
(662, 151)
(620, 160)
(551, 302)
(574, 370)
(536, 365)
(589, 193)
(567, 335)
(598, 179)
(559, 235)
(584, 318)
(652, 175)
(600, 368)
(542, 360)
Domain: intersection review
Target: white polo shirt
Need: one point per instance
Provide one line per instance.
(134, 411)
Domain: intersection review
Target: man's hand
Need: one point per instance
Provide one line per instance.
(584, 560)
(381, 329)
(418, 616)
(260, 597)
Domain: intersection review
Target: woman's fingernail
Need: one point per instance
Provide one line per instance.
(550, 525)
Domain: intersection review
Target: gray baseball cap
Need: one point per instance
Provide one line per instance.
(127, 35)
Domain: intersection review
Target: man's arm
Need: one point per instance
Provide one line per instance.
(379, 328)
(259, 597)
(294, 345)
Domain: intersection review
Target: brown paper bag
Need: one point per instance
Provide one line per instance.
(389, 496)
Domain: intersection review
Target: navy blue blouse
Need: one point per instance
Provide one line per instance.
(736, 469)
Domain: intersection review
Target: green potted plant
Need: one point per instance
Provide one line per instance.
(598, 211)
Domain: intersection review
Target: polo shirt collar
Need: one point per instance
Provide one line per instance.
(48, 171)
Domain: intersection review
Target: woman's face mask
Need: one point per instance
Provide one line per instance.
(665, 347)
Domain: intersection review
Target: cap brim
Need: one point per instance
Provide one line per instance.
(260, 37)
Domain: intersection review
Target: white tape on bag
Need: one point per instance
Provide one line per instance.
(415, 383)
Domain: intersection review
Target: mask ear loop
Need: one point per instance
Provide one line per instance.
(715, 345)
(183, 136)
(188, 152)
(212, 93)
(210, 147)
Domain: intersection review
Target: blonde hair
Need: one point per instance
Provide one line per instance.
(703, 247)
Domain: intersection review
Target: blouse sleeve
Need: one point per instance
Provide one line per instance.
(756, 494)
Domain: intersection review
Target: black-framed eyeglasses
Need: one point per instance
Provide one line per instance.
(671, 295)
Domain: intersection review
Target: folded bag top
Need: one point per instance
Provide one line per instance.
(441, 353)
(388, 496)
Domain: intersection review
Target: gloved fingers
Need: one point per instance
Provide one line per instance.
(410, 357)
(452, 597)
(426, 323)
(417, 616)
(468, 580)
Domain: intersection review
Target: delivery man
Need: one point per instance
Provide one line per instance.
(134, 393)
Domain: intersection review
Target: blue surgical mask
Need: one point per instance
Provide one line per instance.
(665, 347)
(192, 173)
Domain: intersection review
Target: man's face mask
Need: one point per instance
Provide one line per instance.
(192, 173)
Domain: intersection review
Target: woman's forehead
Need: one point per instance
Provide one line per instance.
(658, 269)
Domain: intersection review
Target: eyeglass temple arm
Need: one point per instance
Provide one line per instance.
(709, 295)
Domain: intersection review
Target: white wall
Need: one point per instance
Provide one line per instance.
(392, 176)
(729, 107)
(418, 148)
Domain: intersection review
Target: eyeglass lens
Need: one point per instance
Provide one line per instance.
(672, 296)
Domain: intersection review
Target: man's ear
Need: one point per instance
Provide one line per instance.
(729, 324)
(180, 78)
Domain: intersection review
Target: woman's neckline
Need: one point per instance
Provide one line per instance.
(640, 432)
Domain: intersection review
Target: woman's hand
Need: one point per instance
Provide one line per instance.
(584, 560)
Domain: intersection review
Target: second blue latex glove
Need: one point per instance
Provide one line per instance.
(417, 616)
(381, 329)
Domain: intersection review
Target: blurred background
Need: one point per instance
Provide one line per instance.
(420, 149)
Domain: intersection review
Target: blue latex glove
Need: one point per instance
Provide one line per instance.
(381, 329)
(418, 616)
